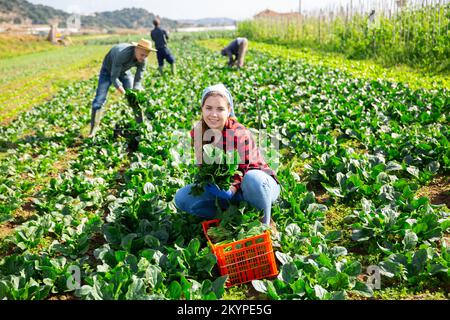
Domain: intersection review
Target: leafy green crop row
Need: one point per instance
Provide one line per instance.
(414, 36)
(370, 144)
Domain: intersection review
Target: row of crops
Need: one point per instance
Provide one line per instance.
(390, 32)
(105, 226)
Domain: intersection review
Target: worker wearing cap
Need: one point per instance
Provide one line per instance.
(116, 71)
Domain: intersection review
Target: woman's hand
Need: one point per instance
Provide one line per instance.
(216, 191)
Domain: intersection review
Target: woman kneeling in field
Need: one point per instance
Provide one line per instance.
(257, 185)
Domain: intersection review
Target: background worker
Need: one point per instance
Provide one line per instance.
(160, 37)
(236, 51)
(116, 71)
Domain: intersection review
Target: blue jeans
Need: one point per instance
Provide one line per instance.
(257, 188)
(104, 82)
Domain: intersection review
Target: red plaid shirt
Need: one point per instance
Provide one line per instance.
(236, 137)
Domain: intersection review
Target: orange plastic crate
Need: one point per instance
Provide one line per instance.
(244, 260)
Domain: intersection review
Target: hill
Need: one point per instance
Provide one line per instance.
(22, 11)
(130, 18)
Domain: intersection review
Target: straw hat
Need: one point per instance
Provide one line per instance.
(144, 44)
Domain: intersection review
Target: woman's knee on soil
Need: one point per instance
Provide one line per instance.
(256, 190)
(256, 181)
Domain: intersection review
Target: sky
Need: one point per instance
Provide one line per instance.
(187, 9)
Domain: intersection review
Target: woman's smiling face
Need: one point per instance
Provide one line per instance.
(215, 111)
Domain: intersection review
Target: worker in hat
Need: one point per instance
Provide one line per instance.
(160, 36)
(235, 51)
(116, 71)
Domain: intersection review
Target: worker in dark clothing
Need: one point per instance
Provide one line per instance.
(236, 51)
(160, 37)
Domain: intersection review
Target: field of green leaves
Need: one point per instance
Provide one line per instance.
(33, 78)
(356, 156)
(416, 34)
